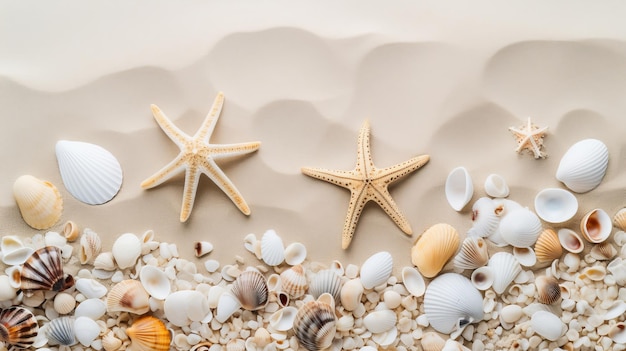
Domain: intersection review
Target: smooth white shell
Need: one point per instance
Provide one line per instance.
(555, 205)
(505, 267)
(380, 321)
(482, 277)
(282, 320)
(617, 309)
(295, 253)
(547, 325)
(126, 249)
(495, 186)
(413, 281)
(570, 240)
(89, 172)
(17, 256)
(272, 249)
(376, 269)
(511, 313)
(583, 165)
(617, 333)
(155, 281)
(185, 306)
(520, 228)
(92, 308)
(525, 255)
(459, 188)
(226, 306)
(86, 329)
(351, 293)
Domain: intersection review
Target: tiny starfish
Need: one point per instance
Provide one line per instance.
(198, 156)
(530, 137)
(368, 183)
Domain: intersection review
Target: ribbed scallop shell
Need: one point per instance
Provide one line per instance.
(548, 248)
(376, 269)
(434, 248)
(603, 251)
(474, 253)
(520, 228)
(250, 288)
(39, 201)
(43, 270)
(432, 341)
(583, 165)
(620, 219)
(485, 217)
(451, 302)
(548, 289)
(90, 246)
(315, 325)
(128, 296)
(293, 281)
(149, 334)
(326, 281)
(272, 248)
(18, 327)
(89, 172)
(61, 331)
(505, 267)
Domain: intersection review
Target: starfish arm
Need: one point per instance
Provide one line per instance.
(165, 173)
(231, 150)
(212, 170)
(391, 174)
(344, 179)
(364, 156)
(173, 132)
(192, 177)
(205, 131)
(358, 199)
(385, 201)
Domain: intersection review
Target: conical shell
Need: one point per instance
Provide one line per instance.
(495, 186)
(451, 302)
(620, 219)
(293, 281)
(90, 246)
(485, 217)
(520, 228)
(89, 172)
(18, 327)
(474, 253)
(548, 289)
(596, 226)
(506, 268)
(434, 248)
(326, 281)
(272, 248)
(250, 288)
(459, 188)
(39, 201)
(570, 240)
(315, 325)
(149, 334)
(376, 269)
(128, 296)
(61, 331)
(548, 248)
(44, 271)
(583, 165)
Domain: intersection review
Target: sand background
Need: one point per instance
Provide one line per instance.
(440, 79)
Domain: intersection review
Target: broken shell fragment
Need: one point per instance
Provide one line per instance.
(603, 251)
(459, 188)
(39, 201)
(505, 267)
(596, 226)
(434, 248)
(183, 307)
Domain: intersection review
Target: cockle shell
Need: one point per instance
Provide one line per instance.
(293, 281)
(250, 288)
(548, 248)
(148, 333)
(44, 271)
(39, 201)
(583, 165)
(126, 250)
(155, 281)
(619, 219)
(18, 327)
(482, 277)
(64, 303)
(520, 228)
(86, 330)
(603, 251)
(295, 253)
(282, 320)
(432, 341)
(128, 296)
(485, 217)
(183, 307)
(376, 269)
(89, 172)
(505, 267)
(474, 253)
(547, 325)
(326, 281)
(555, 205)
(61, 331)
(548, 289)
(90, 246)
(413, 281)
(315, 325)
(451, 302)
(571, 241)
(495, 186)
(596, 226)
(434, 248)
(351, 293)
(380, 321)
(459, 188)
(272, 248)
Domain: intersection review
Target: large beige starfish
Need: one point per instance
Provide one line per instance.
(198, 156)
(530, 137)
(368, 183)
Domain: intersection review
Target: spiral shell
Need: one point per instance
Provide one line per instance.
(474, 253)
(250, 288)
(548, 289)
(18, 327)
(548, 248)
(43, 270)
(39, 201)
(128, 296)
(434, 248)
(315, 325)
(149, 334)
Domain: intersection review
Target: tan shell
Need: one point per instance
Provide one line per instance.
(603, 251)
(105, 261)
(71, 231)
(548, 247)
(64, 303)
(619, 220)
(293, 281)
(474, 253)
(432, 341)
(250, 288)
(315, 325)
(434, 248)
(128, 296)
(548, 289)
(39, 201)
(110, 342)
(90, 246)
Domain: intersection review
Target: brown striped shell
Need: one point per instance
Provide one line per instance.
(43, 270)
(250, 288)
(548, 289)
(315, 325)
(18, 327)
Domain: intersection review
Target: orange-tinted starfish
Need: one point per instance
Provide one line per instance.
(530, 137)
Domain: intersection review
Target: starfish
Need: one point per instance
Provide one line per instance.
(198, 156)
(368, 183)
(530, 137)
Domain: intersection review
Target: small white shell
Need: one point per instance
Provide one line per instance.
(583, 165)
(380, 321)
(104, 261)
(183, 307)
(155, 281)
(326, 281)
(459, 188)
(89, 172)
(376, 269)
(525, 255)
(505, 267)
(282, 320)
(495, 186)
(351, 293)
(555, 205)
(547, 325)
(295, 253)
(90, 246)
(617, 333)
(413, 281)
(511, 313)
(570, 241)
(64, 303)
(616, 309)
(596, 226)
(272, 249)
(126, 250)
(202, 248)
(10, 243)
(482, 277)
(474, 253)
(86, 330)
(520, 228)
(17, 256)
(92, 308)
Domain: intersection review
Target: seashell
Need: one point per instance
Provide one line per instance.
(451, 302)
(548, 289)
(236, 345)
(61, 331)
(547, 325)
(351, 293)
(380, 321)
(39, 201)
(250, 288)
(110, 342)
(91, 288)
(326, 281)
(432, 341)
(453, 345)
(64, 303)
(89, 172)
(315, 325)
(525, 256)
(86, 330)
(14, 277)
(511, 313)
(506, 206)
(548, 248)
(226, 306)
(202, 346)
(202, 248)
(295, 253)
(272, 249)
(293, 281)
(128, 296)
(474, 253)
(71, 231)
(282, 298)
(459, 188)
(495, 186)
(413, 281)
(583, 165)
(93, 308)
(555, 205)
(148, 333)
(17, 256)
(505, 267)
(616, 309)
(126, 250)
(54, 239)
(482, 277)
(90, 246)
(617, 333)
(282, 320)
(571, 241)
(387, 338)
(44, 271)
(596, 226)
(434, 248)
(619, 220)
(595, 273)
(603, 251)
(274, 283)
(155, 281)
(183, 307)
(520, 228)
(10, 243)
(485, 217)
(18, 327)
(376, 269)
(104, 261)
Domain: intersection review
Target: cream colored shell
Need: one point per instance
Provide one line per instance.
(619, 220)
(434, 248)
(39, 201)
(474, 253)
(128, 296)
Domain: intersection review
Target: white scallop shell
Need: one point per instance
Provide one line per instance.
(505, 267)
(482, 277)
(126, 250)
(495, 186)
(295, 253)
(380, 321)
(451, 302)
(155, 281)
(92, 308)
(413, 281)
(555, 205)
(485, 217)
(183, 307)
(570, 240)
(326, 281)
(547, 325)
(272, 248)
(525, 255)
(583, 165)
(351, 293)
(474, 253)
(64, 303)
(89, 172)
(61, 331)
(459, 188)
(596, 226)
(86, 330)
(282, 320)
(376, 269)
(520, 228)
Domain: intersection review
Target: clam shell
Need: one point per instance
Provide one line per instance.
(525, 256)
(295, 253)
(126, 250)
(128, 296)
(202, 248)
(272, 248)
(583, 165)
(86, 330)
(92, 308)
(71, 231)
(293, 281)
(505, 267)
(495, 186)
(380, 321)
(520, 228)
(603, 251)
(548, 248)
(155, 281)
(474, 253)
(547, 325)
(434, 248)
(104, 261)
(17, 256)
(555, 205)
(413, 281)
(39, 201)
(91, 288)
(149, 334)
(619, 219)
(61, 331)
(10, 243)
(283, 319)
(459, 188)
(90, 246)
(570, 241)
(617, 333)
(548, 289)
(183, 307)
(226, 306)
(18, 327)
(326, 281)
(616, 309)
(351, 293)
(482, 277)
(376, 269)
(250, 288)
(64, 303)
(89, 172)
(596, 226)
(451, 302)
(315, 325)
(44, 271)
(595, 273)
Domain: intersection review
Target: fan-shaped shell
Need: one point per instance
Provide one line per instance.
(459, 188)
(326, 281)
(432, 341)
(520, 228)
(293, 281)
(44, 271)
(451, 302)
(505, 267)
(485, 217)
(250, 288)
(39, 201)
(596, 226)
(126, 250)
(603, 251)
(61, 331)
(474, 253)
(571, 241)
(547, 325)
(548, 289)
(555, 205)
(149, 334)
(619, 219)
(90, 246)
(548, 248)
(272, 248)
(64, 303)
(128, 296)
(434, 248)
(315, 325)
(583, 165)
(495, 186)
(89, 172)
(376, 269)
(18, 327)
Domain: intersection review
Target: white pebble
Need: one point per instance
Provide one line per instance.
(392, 299)
(422, 320)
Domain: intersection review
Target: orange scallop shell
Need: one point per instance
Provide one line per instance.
(149, 334)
